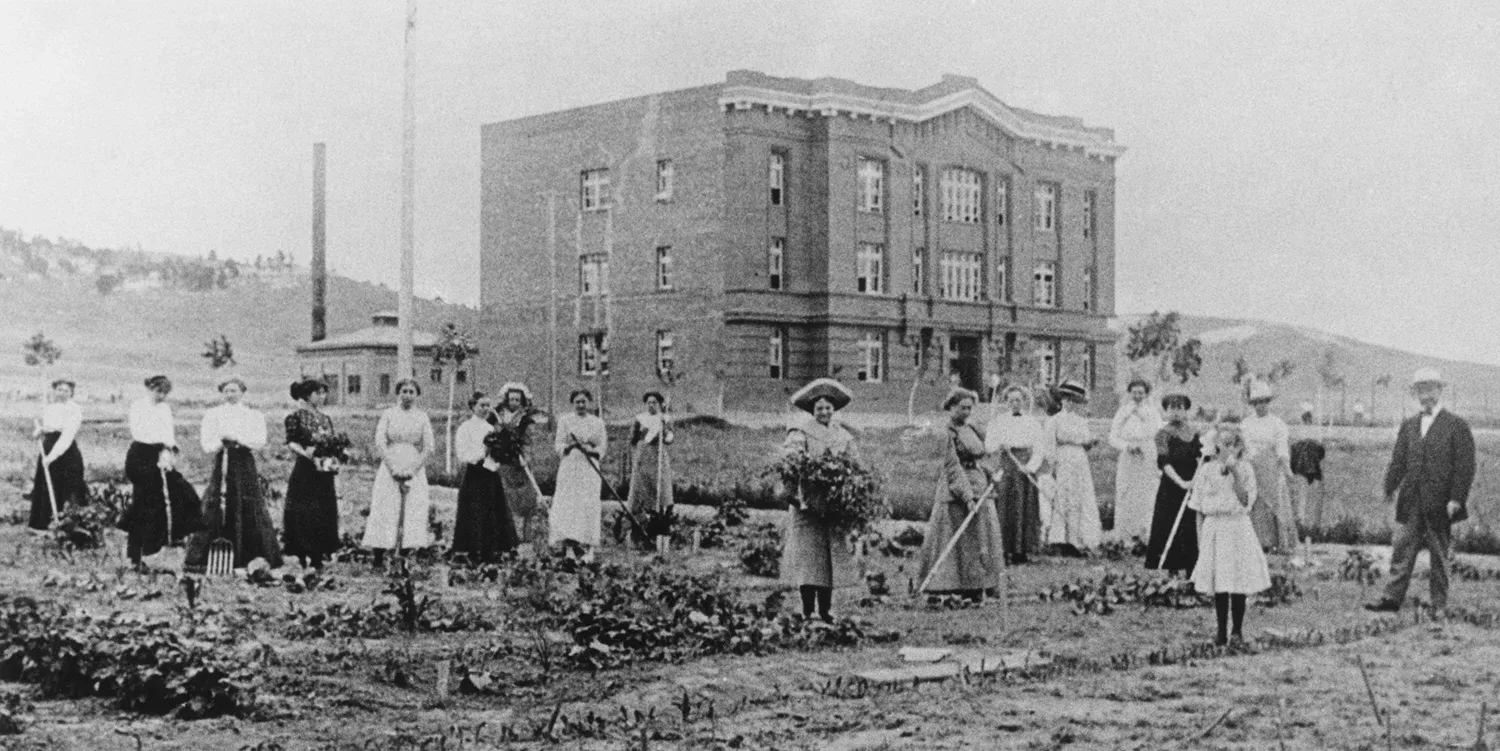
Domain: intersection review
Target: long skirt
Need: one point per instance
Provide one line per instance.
(1230, 559)
(1184, 551)
(1272, 513)
(815, 555)
(68, 486)
(1018, 507)
(396, 521)
(483, 528)
(576, 509)
(978, 560)
(234, 510)
(650, 490)
(1075, 508)
(310, 520)
(1136, 478)
(145, 521)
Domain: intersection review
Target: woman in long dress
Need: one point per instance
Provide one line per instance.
(59, 465)
(1268, 448)
(576, 509)
(233, 507)
(1015, 436)
(816, 558)
(483, 528)
(1133, 434)
(651, 469)
(1178, 453)
(399, 499)
(155, 483)
(1231, 565)
(516, 416)
(1075, 509)
(310, 519)
(977, 561)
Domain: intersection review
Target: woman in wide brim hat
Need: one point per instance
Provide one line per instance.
(816, 558)
(1075, 507)
(1268, 448)
(514, 415)
(977, 560)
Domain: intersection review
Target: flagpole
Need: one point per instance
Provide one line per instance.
(404, 367)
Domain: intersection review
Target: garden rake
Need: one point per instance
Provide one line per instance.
(221, 551)
(953, 543)
(47, 473)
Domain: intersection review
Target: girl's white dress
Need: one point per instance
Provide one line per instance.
(1075, 508)
(1136, 475)
(1229, 555)
(404, 439)
(576, 508)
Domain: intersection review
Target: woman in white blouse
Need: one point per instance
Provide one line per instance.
(483, 528)
(399, 499)
(151, 467)
(233, 507)
(59, 467)
(576, 508)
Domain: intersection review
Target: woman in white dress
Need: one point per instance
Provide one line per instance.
(233, 506)
(1075, 509)
(1230, 565)
(399, 500)
(576, 508)
(1268, 448)
(1133, 434)
(59, 467)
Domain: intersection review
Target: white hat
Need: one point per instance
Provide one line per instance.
(1427, 375)
(1259, 391)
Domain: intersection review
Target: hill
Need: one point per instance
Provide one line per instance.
(1474, 388)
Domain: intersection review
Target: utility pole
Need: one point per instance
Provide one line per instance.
(404, 311)
(552, 298)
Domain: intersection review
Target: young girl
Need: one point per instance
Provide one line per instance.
(1231, 565)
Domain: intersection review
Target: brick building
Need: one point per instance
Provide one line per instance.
(360, 366)
(764, 231)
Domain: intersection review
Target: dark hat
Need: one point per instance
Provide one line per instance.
(1074, 390)
(957, 395)
(159, 381)
(306, 387)
(836, 393)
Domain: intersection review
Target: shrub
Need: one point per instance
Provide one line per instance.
(85, 527)
(761, 555)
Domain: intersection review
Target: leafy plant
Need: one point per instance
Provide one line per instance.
(761, 555)
(1159, 337)
(1103, 596)
(84, 527)
(219, 352)
(834, 487)
(39, 351)
(1359, 565)
(1283, 591)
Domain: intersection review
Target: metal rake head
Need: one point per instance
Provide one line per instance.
(220, 558)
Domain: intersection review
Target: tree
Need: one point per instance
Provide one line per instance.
(219, 352)
(450, 352)
(107, 283)
(1158, 338)
(1244, 374)
(39, 351)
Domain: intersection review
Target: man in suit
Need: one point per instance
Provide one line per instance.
(1428, 478)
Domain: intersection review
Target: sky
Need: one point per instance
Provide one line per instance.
(1330, 164)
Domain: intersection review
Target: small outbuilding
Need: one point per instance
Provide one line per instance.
(360, 366)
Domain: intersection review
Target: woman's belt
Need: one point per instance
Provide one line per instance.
(968, 463)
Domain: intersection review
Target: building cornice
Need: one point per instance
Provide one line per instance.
(835, 103)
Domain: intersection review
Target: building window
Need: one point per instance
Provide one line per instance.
(664, 174)
(593, 354)
(1090, 201)
(1089, 362)
(776, 263)
(1002, 279)
(919, 271)
(1088, 288)
(918, 190)
(778, 178)
(593, 190)
(665, 359)
(1044, 284)
(435, 375)
(355, 385)
(1045, 197)
(461, 377)
(333, 383)
(871, 269)
(385, 384)
(776, 352)
(593, 274)
(1046, 360)
(871, 185)
(664, 267)
(871, 357)
(1002, 200)
(961, 195)
(962, 278)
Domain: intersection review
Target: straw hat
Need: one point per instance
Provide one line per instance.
(957, 395)
(823, 388)
(1259, 391)
(515, 386)
(1427, 375)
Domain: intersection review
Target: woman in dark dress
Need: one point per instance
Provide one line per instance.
(1178, 453)
(1015, 436)
(233, 506)
(151, 467)
(59, 467)
(483, 528)
(310, 518)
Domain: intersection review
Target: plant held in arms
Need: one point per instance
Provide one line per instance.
(846, 494)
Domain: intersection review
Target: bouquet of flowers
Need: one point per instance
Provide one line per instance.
(834, 487)
(330, 450)
(506, 443)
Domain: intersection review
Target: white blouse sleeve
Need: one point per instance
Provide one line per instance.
(564, 433)
(601, 436)
(468, 444)
(252, 430)
(211, 434)
(429, 439)
(72, 420)
(1117, 428)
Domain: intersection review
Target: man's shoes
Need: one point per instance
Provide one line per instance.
(1384, 606)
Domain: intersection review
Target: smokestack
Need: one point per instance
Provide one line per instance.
(319, 245)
